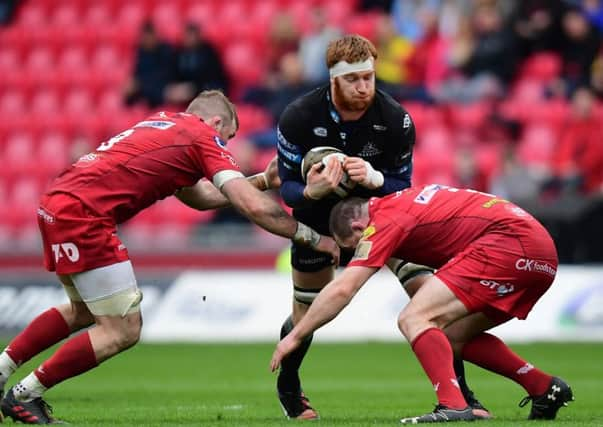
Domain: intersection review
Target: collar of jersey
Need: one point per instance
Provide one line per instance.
(333, 112)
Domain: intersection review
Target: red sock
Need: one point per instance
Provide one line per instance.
(74, 357)
(433, 350)
(489, 352)
(45, 330)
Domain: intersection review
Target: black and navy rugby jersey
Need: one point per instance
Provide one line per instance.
(384, 136)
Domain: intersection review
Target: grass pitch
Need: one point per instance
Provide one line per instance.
(369, 384)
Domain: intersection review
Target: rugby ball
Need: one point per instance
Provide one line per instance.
(324, 155)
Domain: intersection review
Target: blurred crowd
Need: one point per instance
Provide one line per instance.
(506, 95)
(438, 58)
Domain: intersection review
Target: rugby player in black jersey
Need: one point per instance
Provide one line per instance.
(378, 136)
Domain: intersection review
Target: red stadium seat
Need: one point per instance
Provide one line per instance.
(542, 66)
(65, 15)
(168, 21)
(262, 13)
(244, 66)
(537, 145)
(32, 16)
(10, 59)
(44, 102)
(18, 154)
(40, 60)
(12, 103)
(53, 151)
(73, 59)
(201, 13)
(110, 102)
(78, 102)
(98, 14)
(364, 24)
(252, 119)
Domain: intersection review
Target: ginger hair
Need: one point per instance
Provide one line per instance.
(350, 48)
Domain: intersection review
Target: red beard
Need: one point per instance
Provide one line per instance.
(344, 103)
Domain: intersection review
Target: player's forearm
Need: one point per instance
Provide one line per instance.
(327, 305)
(391, 184)
(292, 193)
(202, 196)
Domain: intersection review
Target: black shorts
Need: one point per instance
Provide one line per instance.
(308, 260)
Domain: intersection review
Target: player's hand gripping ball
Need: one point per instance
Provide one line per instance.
(324, 154)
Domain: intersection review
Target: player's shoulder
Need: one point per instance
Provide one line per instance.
(305, 106)
(389, 107)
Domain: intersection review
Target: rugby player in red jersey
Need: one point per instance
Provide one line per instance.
(494, 262)
(166, 154)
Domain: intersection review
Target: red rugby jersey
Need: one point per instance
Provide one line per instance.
(145, 163)
(429, 225)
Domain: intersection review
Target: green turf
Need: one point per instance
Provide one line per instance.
(371, 384)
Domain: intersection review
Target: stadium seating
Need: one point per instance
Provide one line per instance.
(64, 63)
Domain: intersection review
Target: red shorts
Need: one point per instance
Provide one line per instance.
(503, 274)
(74, 238)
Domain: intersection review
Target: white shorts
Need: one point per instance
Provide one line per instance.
(107, 291)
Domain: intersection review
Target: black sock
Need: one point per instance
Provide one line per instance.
(459, 370)
(288, 377)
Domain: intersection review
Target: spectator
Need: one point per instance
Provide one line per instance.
(537, 25)
(579, 48)
(467, 173)
(594, 12)
(198, 67)
(578, 162)
(7, 10)
(493, 53)
(516, 182)
(283, 38)
(314, 45)
(484, 53)
(154, 59)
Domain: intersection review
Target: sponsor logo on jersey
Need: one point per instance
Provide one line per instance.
(427, 194)
(370, 150)
(499, 288)
(156, 124)
(516, 210)
(525, 264)
(320, 131)
(406, 122)
(86, 160)
(380, 128)
(229, 158)
(369, 231)
(363, 250)
(492, 202)
(219, 142)
(295, 158)
(286, 145)
(47, 217)
(343, 135)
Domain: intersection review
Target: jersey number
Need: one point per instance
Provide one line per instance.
(111, 142)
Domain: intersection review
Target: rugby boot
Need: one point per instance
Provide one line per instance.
(476, 406)
(36, 411)
(442, 414)
(297, 406)
(545, 406)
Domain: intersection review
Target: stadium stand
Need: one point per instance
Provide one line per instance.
(64, 64)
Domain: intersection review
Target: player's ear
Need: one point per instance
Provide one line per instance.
(216, 122)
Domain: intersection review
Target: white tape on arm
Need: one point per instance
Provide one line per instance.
(374, 179)
(224, 176)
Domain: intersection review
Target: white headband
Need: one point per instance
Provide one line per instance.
(343, 67)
